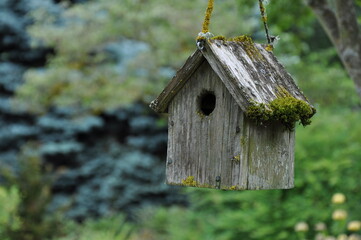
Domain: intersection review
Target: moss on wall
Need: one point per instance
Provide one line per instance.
(189, 181)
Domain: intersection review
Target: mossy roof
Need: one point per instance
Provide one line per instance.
(250, 72)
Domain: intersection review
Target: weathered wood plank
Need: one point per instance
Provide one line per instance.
(249, 79)
(244, 138)
(270, 157)
(225, 143)
(160, 104)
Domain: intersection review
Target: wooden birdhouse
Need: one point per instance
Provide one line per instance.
(232, 109)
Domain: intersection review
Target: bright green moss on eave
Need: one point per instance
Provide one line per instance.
(285, 109)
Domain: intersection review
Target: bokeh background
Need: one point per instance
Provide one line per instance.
(83, 157)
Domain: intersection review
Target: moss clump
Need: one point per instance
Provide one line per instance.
(219, 37)
(233, 188)
(243, 141)
(260, 112)
(236, 158)
(189, 181)
(200, 38)
(285, 109)
(199, 113)
(243, 38)
(269, 47)
(248, 46)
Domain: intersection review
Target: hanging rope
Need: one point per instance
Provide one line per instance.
(205, 34)
(264, 20)
(271, 40)
(207, 17)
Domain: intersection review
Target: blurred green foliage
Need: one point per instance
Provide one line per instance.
(24, 213)
(325, 163)
(324, 81)
(327, 152)
(81, 73)
(341, 226)
(9, 202)
(114, 228)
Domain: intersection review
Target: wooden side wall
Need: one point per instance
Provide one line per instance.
(225, 145)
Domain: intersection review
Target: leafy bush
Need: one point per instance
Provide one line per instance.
(112, 228)
(325, 163)
(119, 55)
(30, 193)
(341, 226)
(9, 202)
(328, 88)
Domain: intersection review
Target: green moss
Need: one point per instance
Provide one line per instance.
(248, 45)
(233, 188)
(199, 113)
(236, 158)
(242, 38)
(199, 38)
(219, 37)
(269, 47)
(243, 141)
(246, 42)
(189, 181)
(285, 109)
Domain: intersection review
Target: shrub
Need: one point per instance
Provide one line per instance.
(112, 228)
(324, 163)
(30, 190)
(9, 202)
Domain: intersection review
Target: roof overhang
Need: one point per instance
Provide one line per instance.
(249, 72)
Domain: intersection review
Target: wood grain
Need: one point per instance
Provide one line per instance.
(160, 104)
(248, 79)
(225, 143)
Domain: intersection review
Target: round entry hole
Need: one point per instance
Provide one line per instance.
(207, 102)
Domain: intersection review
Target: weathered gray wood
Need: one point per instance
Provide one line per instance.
(160, 104)
(225, 143)
(248, 78)
(271, 157)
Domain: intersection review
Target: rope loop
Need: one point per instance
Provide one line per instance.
(205, 34)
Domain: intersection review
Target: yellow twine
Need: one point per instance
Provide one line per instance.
(207, 18)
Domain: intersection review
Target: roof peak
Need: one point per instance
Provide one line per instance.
(250, 72)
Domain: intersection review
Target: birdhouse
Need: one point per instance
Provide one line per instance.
(231, 114)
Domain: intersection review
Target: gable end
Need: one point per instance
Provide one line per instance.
(160, 104)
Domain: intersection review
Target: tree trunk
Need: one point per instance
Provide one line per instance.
(340, 24)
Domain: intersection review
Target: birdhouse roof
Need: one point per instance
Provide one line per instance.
(250, 73)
